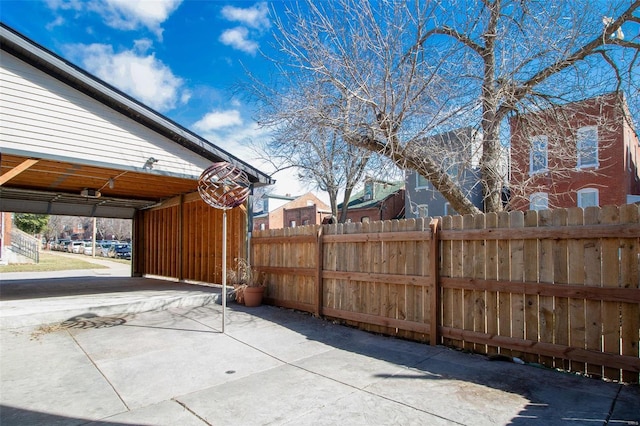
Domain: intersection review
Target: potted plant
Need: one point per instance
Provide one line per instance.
(248, 283)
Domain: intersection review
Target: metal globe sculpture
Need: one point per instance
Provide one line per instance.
(223, 186)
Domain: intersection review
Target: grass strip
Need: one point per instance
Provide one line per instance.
(50, 262)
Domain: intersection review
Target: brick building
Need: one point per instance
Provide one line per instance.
(306, 209)
(378, 200)
(580, 154)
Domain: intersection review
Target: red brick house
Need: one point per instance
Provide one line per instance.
(580, 154)
(306, 209)
(378, 200)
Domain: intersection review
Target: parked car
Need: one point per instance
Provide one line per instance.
(103, 249)
(88, 248)
(120, 251)
(62, 245)
(75, 247)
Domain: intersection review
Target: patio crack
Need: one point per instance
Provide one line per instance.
(99, 370)
(356, 388)
(613, 405)
(183, 405)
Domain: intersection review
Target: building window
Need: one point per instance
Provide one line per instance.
(365, 219)
(448, 210)
(587, 147)
(423, 210)
(539, 201)
(451, 167)
(305, 222)
(588, 197)
(368, 190)
(263, 227)
(421, 181)
(539, 158)
(292, 224)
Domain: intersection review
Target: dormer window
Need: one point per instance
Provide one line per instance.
(368, 190)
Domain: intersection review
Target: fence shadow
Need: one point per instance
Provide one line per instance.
(14, 416)
(546, 396)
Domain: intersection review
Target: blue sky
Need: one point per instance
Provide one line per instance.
(179, 57)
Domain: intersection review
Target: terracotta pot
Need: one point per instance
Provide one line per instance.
(253, 296)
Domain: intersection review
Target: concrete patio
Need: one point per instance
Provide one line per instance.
(120, 350)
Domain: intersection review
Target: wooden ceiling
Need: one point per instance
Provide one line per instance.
(64, 182)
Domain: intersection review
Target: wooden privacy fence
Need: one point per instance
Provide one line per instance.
(182, 239)
(559, 288)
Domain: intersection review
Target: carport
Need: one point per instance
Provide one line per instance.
(71, 144)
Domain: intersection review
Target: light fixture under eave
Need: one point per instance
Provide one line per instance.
(149, 163)
(90, 193)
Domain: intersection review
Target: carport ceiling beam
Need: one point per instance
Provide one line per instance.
(17, 170)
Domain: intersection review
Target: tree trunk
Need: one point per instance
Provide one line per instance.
(489, 165)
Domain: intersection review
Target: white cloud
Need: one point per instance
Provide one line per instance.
(124, 14)
(141, 76)
(55, 23)
(185, 96)
(238, 38)
(217, 120)
(239, 140)
(254, 17)
(65, 4)
(143, 45)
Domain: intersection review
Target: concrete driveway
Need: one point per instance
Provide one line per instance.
(170, 364)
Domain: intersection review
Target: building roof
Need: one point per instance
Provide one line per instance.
(382, 190)
(50, 182)
(45, 60)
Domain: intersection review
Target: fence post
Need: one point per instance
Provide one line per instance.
(319, 281)
(434, 263)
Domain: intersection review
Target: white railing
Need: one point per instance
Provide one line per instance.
(25, 245)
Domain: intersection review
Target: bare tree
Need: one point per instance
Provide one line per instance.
(109, 228)
(404, 71)
(304, 138)
(66, 226)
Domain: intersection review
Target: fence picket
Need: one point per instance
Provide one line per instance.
(446, 253)
(593, 277)
(329, 261)
(510, 283)
(630, 278)
(364, 265)
(610, 278)
(457, 270)
(391, 290)
(468, 296)
(408, 290)
(517, 274)
(421, 298)
(561, 277)
(545, 275)
(504, 273)
(352, 266)
(576, 276)
(531, 267)
(491, 273)
(374, 289)
(479, 296)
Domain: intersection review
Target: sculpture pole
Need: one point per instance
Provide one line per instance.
(224, 266)
(223, 186)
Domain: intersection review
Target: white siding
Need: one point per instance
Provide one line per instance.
(40, 114)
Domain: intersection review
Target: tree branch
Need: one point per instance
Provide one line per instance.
(586, 50)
